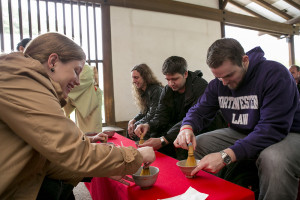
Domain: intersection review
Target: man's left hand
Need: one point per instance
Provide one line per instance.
(152, 142)
(211, 163)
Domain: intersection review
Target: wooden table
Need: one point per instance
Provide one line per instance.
(170, 182)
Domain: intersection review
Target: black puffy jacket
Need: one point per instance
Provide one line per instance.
(166, 122)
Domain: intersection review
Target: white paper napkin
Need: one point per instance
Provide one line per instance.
(190, 194)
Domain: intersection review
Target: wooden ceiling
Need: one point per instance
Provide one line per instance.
(282, 11)
(285, 11)
(279, 17)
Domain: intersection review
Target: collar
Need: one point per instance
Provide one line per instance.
(59, 92)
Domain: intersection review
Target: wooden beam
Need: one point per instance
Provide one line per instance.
(168, 6)
(185, 9)
(272, 9)
(246, 9)
(295, 20)
(293, 3)
(222, 4)
(291, 44)
(107, 67)
(259, 24)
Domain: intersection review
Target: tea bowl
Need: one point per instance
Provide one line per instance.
(186, 170)
(145, 182)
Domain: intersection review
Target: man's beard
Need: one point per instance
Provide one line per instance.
(244, 71)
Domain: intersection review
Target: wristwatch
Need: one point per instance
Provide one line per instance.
(226, 158)
(163, 142)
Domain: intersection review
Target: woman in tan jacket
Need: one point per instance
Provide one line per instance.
(36, 139)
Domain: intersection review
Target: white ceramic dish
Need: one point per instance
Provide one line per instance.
(145, 182)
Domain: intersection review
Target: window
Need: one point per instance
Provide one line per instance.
(80, 21)
(274, 48)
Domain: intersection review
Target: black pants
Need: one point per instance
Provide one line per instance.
(169, 150)
(55, 190)
(243, 173)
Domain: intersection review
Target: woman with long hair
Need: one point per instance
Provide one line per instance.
(146, 90)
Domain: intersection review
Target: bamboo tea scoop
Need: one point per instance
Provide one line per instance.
(190, 162)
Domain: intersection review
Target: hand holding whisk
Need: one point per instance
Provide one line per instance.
(142, 139)
(145, 171)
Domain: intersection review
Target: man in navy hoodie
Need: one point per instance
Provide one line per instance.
(260, 101)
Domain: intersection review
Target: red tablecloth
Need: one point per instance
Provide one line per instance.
(170, 182)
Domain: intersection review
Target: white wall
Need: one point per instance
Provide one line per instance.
(140, 36)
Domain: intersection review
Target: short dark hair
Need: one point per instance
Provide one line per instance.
(23, 43)
(225, 49)
(297, 67)
(174, 64)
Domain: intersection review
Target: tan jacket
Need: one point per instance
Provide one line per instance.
(35, 134)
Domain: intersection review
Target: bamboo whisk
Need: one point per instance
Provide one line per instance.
(141, 139)
(191, 162)
(145, 171)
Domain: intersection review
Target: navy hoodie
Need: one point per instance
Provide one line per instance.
(265, 106)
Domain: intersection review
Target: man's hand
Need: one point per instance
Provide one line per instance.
(130, 128)
(213, 162)
(185, 136)
(141, 129)
(122, 179)
(152, 142)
